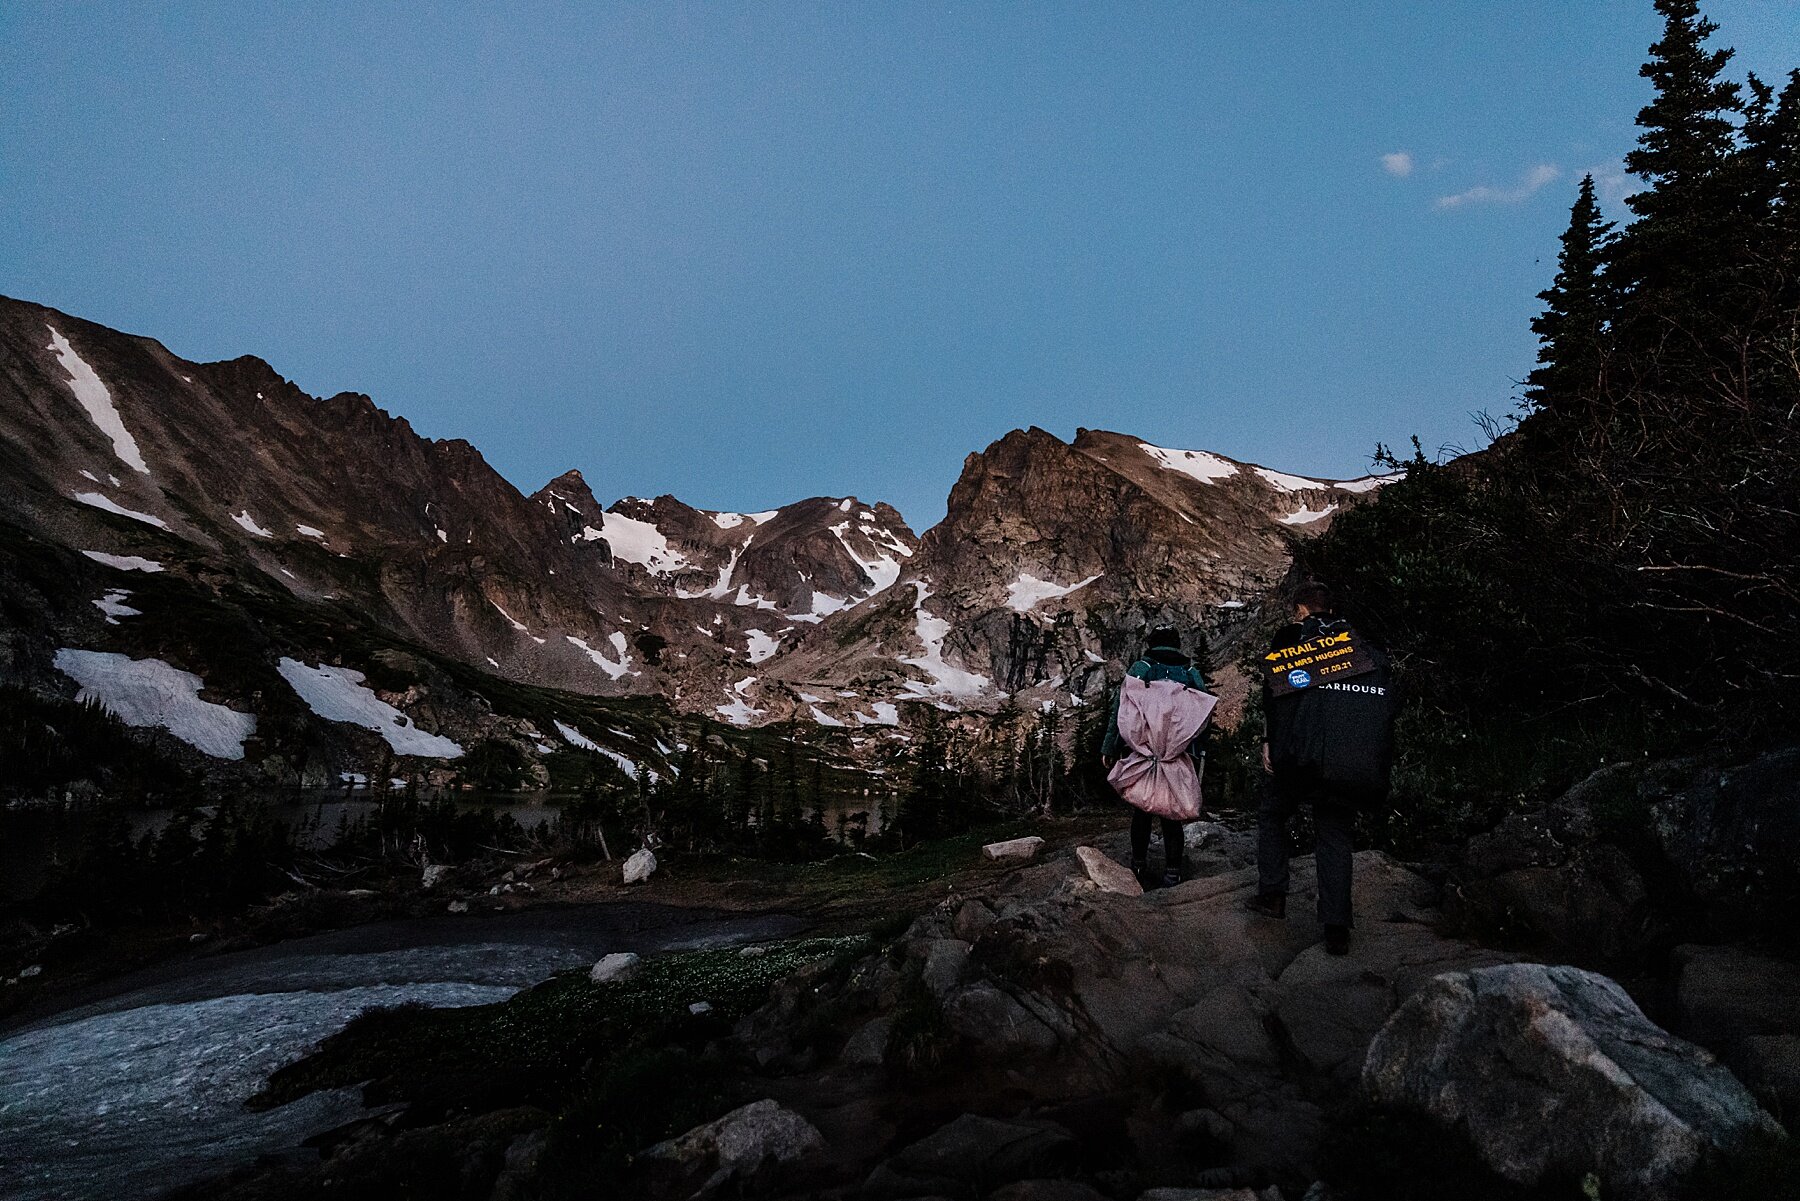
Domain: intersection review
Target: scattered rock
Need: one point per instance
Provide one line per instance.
(742, 1143)
(1198, 836)
(1609, 1092)
(459, 906)
(639, 867)
(868, 1046)
(1108, 874)
(1047, 1190)
(1745, 1008)
(752, 952)
(1013, 848)
(197, 938)
(433, 875)
(1594, 905)
(620, 965)
(944, 961)
(519, 1167)
(700, 1008)
(973, 1152)
(998, 1026)
(973, 917)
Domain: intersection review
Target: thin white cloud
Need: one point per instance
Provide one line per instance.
(1399, 163)
(1527, 187)
(1612, 183)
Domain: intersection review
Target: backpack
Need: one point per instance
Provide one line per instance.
(1158, 721)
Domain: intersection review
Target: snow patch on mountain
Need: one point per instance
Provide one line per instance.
(1368, 483)
(1026, 592)
(1207, 468)
(511, 620)
(882, 570)
(151, 693)
(739, 711)
(338, 694)
(98, 401)
(114, 606)
(575, 738)
(731, 521)
(100, 502)
(638, 542)
(760, 645)
(824, 718)
(615, 668)
(886, 713)
(946, 678)
(307, 531)
(124, 562)
(1307, 516)
(1283, 482)
(249, 524)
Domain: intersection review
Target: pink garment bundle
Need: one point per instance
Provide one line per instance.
(1159, 720)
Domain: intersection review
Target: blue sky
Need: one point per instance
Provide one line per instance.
(750, 253)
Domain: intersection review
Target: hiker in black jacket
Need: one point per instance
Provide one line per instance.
(1329, 706)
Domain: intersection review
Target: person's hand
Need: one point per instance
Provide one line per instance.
(1267, 766)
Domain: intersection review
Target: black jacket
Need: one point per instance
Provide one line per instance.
(1337, 735)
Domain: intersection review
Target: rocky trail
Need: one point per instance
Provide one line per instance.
(1046, 1030)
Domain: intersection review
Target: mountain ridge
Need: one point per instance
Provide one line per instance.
(1052, 559)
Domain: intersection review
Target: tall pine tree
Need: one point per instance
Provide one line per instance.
(1572, 329)
(1684, 236)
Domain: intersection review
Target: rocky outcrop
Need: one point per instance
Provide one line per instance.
(1556, 1070)
(1744, 1007)
(739, 1146)
(1569, 877)
(1046, 990)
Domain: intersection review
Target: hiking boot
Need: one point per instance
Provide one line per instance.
(1140, 871)
(1171, 878)
(1337, 940)
(1268, 904)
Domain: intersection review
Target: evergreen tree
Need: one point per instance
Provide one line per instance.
(1685, 212)
(1577, 305)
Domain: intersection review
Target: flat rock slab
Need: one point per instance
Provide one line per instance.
(1108, 874)
(1013, 848)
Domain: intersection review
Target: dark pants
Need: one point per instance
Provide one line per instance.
(1333, 820)
(1172, 840)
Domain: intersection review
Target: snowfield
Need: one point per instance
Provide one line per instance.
(1306, 516)
(338, 694)
(615, 669)
(638, 542)
(98, 402)
(114, 606)
(1368, 483)
(1283, 482)
(1026, 592)
(947, 679)
(1207, 468)
(124, 562)
(249, 524)
(760, 645)
(100, 502)
(577, 739)
(151, 693)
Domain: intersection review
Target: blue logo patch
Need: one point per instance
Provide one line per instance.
(1298, 678)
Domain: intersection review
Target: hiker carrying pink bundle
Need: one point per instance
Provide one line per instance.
(1153, 749)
